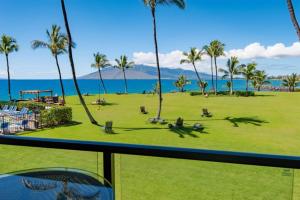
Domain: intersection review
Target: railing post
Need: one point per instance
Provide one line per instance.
(109, 168)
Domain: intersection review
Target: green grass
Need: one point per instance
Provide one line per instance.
(267, 123)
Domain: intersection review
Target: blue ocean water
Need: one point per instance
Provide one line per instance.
(113, 86)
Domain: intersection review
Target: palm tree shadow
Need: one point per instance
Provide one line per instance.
(186, 131)
(235, 121)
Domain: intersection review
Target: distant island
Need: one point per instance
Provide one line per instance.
(146, 73)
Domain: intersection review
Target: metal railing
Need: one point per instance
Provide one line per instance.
(109, 149)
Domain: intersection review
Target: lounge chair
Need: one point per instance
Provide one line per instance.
(4, 128)
(108, 127)
(143, 110)
(5, 108)
(205, 113)
(178, 123)
(198, 127)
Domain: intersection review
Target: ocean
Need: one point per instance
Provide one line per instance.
(112, 86)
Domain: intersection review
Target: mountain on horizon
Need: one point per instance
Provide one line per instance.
(145, 72)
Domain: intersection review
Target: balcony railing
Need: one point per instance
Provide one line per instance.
(109, 151)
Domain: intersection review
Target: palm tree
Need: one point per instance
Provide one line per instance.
(218, 49)
(203, 85)
(153, 4)
(181, 82)
(70, 46)
(229, 86)
(123, 64)
(100, 63)
(191, 58)
(57, 44)
(248, 71)
(232, 69)
(209, 51)
(293, 17)
(259, 79)
(7, 46)
(291, 82)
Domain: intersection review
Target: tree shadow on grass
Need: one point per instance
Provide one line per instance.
(235, 121)
(72, 123)
(186, 131)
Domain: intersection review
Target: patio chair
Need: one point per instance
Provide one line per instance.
(25, 124)
(4, 128)
(5, 108)
(205, 113)
(143, 110)
(108, 127)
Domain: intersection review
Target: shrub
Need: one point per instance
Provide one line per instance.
(56, 116)
(195, 93)
(244, 93)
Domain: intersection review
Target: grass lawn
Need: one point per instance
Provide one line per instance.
(267, 123)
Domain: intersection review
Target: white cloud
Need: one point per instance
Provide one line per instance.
(256, 50)
(251, 51)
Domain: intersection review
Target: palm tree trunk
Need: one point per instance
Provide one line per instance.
(157, 62)
(212, 74)
(247, 84)
(216, 68)
(102, 82)
(91, 118)
(231, 87)
(293, 17)
(125, 81)
(8, 77)
(60, 79)
(199, 79)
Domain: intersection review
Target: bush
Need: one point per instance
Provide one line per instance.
(244, 93)
(195, 93)
(56, 116)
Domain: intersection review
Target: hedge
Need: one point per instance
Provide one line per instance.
(55, 116)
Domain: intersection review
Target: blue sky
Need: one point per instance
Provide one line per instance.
(116, 27)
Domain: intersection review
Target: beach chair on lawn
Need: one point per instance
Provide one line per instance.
(108, 127)
(143, 110)
(205, 113)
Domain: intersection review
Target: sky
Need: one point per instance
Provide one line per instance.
(256, 30)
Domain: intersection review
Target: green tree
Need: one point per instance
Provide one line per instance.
(218, 49)
(232, 69)
(57, 44)
(248, 72)
(209, 51)
(70, 52)
(260, 79)
(181, 82)
(100, 63)
(229, 86)
(203, 85)
(123, 64)
(291, 82)
(152, 4)
(293, 17)
(7, 46)
(193, 57)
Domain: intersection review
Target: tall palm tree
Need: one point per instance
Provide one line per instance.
(260, 79)
(123, 64)
(7, 46)
(291, 82)
(209, 51)
(57, 44)
(153, 4)
(191, 58)
(218, 49)
(70, 42)
(248, 71)
(293, 17)
(181, 82)
(232, 69)
(100, 63)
